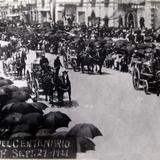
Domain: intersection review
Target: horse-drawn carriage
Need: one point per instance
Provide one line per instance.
(146, 70)
(45, 81)
(34, 75)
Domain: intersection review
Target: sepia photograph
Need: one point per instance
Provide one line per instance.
(80, 79)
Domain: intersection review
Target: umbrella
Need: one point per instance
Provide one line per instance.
(7, 90)
(20, 107)
(85, 144)
(11, 119)
(3, 82)
(39, 105)
(2, 92)
(9, 81)
(2, 78)
(20, 135)
(59, 134)
(20, 95)
(10, 88)
(43, 132)
(26, 89)
(22, 128)
(56, 120)
(84, 130)
(14, 101)
(32, 119)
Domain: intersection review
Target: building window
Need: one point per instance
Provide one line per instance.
(106, 3)
(60, 15)
(93, 3)
(43, 3)
(81, 17)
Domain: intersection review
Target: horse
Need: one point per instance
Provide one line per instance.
(48, 84)
(89, 61)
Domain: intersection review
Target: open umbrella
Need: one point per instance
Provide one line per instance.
(39, 105)
(9, 81)
(10, 88)
(32, 119)
(11, 119)
(26, 89)
(2, 92)
(54, 120)
(20, 135)
(84, 130)
(59, 134)
(21, 95)
(44, 132)
(22, 128)
(4, 82)
(20, 107)
(85, 144)
(1, 78)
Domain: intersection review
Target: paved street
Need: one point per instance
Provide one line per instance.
(128, 119)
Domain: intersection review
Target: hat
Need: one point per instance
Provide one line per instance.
(65, 72)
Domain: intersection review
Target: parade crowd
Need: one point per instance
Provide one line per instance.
(92, 45)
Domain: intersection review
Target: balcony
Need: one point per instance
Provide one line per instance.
(131, 1)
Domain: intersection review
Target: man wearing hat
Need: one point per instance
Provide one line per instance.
(43, 61)
(57, 65)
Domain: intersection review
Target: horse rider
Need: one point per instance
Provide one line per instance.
(43, 62)
(91, 50)
(57, 65)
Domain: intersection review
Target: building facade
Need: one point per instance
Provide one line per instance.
(127, 13)
(43, 10)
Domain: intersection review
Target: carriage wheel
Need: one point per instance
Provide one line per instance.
(146, 86)
(29, 81)
(136, 79)
(36, 88)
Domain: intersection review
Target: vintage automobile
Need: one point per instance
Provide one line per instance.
(70, 59)
(146, 72)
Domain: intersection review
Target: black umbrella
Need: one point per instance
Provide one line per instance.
(59, 134)
(56, 120)
(2, 92)
(20, 107)
(32, 119)
(85, 144)
(20, 95)
(26, 89)
(9, 81)
(22, 128)
(39, 105)
(84, 130)
(10, 88)
(4, 82)
(11, 119)
(21, 135)
(44, 132)
(2, 78)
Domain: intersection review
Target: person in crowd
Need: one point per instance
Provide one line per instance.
(43, 62)
(57, 65)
